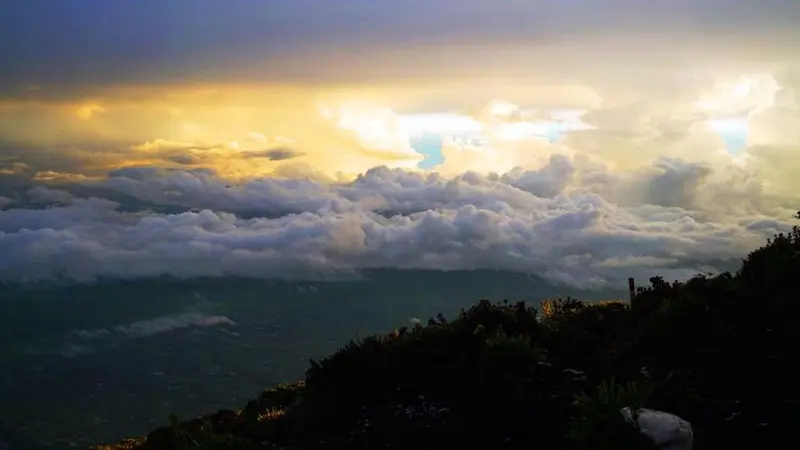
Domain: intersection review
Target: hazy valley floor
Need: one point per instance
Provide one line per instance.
(89, 364)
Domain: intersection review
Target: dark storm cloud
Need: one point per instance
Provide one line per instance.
(25, 160)
(274, 154)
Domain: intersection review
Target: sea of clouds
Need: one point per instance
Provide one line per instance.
(572, 221)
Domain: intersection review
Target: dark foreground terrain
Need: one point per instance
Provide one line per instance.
(719, 351)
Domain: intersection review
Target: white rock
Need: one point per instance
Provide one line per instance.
(668, 431)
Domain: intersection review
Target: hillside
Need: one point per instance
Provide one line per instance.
(718, 351)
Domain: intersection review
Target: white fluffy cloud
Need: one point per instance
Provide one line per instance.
(570, 221)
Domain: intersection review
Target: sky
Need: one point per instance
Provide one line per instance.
(582, 140)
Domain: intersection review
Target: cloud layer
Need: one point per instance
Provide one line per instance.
(639, 184)
(569, 221)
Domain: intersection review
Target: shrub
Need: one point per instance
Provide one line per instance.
(598, 422)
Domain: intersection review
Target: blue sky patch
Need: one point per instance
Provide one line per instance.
(430, 145)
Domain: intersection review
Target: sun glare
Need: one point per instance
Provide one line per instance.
(373, 121)
(501, 108)
(742, 94)
(442, 123)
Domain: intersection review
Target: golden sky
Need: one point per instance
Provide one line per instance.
(341, 131)
(621, 83)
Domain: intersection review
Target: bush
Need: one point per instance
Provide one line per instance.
(598, 422)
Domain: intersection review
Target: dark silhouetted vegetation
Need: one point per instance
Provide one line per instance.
(718, 351)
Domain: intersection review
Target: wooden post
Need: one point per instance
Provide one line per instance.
(631, 289)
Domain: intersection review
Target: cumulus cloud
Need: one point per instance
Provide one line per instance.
(548, 181)
(202, 189)
(774, 138)
(568, 221)
(44, 195)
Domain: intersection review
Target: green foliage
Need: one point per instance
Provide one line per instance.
(514, 351)
(556, 311)
(598, 419)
